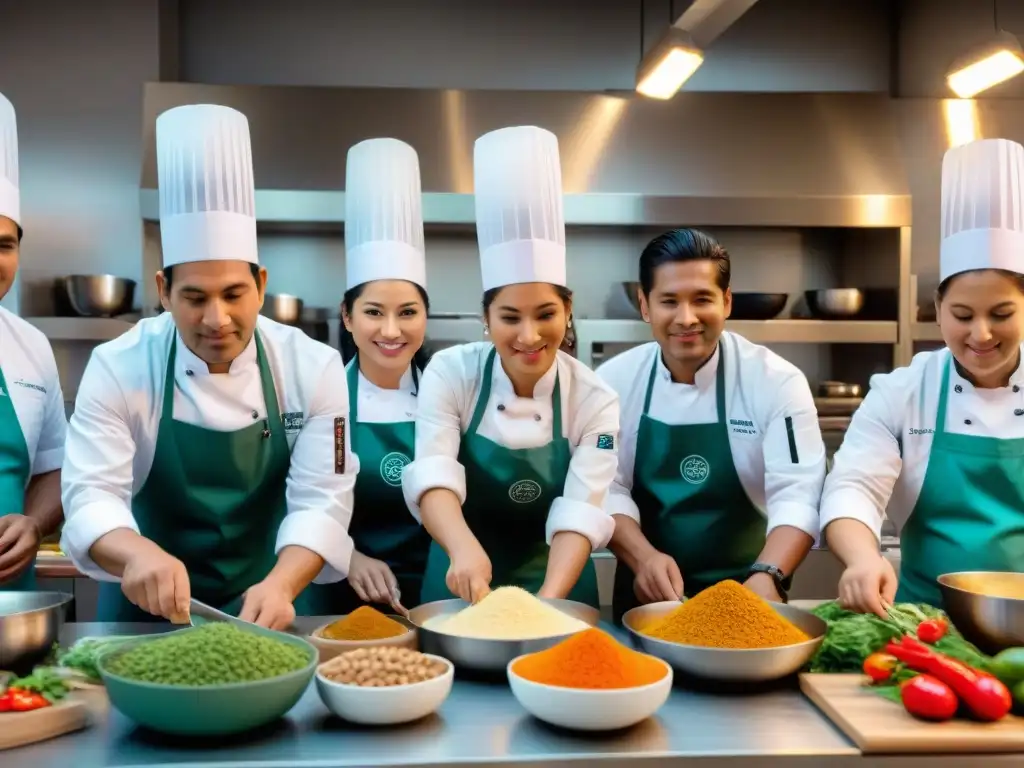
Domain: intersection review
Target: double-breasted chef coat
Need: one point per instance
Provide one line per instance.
(709, 469)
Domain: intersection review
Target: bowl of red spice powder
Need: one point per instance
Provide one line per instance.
(590, 682)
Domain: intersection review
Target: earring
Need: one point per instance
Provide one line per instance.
(570, 323)
(487, 331)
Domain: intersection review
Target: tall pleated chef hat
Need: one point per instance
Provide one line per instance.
(982, 207)
(207, 195)
(383, 214)
(10, 195)
(520, 222)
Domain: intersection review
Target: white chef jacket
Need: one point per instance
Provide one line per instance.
(386, 406)
(870, 478)
(113, 432)
(448, 393)
(33, 385)
(762, 391)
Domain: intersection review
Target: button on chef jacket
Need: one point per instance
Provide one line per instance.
(448, 396)
(780, 466)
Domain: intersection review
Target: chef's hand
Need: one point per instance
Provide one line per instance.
(19, 542)
(658, 579)
(763, 585)
(371, 580)
(157, 583)
(865, 584)
(469, 575)
(268, 604)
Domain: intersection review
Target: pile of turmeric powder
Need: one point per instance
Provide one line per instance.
(726, 615)
(364, 623)
(590, 659)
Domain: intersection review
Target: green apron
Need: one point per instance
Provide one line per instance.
(970, 514)
(214, 500)
(692, 504)
(15, 466)
(508, 494)
(382, 526)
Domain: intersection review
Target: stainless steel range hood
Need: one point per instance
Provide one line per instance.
(715, 159)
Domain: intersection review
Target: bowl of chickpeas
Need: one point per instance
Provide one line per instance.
(384, 685)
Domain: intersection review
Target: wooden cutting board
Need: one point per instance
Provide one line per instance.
(877, 725)
(20, 728)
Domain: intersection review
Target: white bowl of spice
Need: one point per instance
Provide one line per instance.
(384, 685)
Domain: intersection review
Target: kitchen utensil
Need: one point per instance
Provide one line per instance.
(99, 295)
(388, 705)
(839, 389)
(282, 307)
(981, 604)
(20, 728)
(741, 665)
(876, 725)
(835, 303)
(30, 623)
(757, 306)
(330, 648)
(487, 655)
(623, 302)
(214, 710)
(201, 613)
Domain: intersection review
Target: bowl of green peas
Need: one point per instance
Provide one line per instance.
(215, 679)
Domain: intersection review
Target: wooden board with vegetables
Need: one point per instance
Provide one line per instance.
(38, 707)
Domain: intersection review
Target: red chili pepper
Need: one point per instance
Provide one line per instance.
(926, 697)
(932, 630)
(25, 701)
(879, 666)
(6, 702)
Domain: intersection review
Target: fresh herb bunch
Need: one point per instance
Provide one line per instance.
(84, 655)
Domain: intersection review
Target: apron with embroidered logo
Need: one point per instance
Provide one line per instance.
(508, 494)
(15, 466)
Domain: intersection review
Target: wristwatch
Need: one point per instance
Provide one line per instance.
(782, 582)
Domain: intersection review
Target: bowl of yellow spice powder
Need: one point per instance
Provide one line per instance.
(727, 632)
(365, 627)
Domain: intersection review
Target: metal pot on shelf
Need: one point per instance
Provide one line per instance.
(282, 307)
(93, 295)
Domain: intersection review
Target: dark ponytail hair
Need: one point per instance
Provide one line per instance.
(563, 293)
(347, 343)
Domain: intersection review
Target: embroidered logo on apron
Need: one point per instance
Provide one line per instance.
(524, 491)
(391, 467)
(694, 469)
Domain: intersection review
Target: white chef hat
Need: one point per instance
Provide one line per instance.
(10, 196)
(982, 207)
(207, 195)
(520, 223)
(383, 214)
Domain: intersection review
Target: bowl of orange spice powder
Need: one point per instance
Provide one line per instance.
(728, 633)
(590, 682)
(365, 627)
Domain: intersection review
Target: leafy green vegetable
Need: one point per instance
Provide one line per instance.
(43, 681)
(85, 653)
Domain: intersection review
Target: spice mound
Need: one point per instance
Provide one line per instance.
(382, 667)
(508, 613)
(590, 659)
(213, 654)
(726, 615)
(364, 623)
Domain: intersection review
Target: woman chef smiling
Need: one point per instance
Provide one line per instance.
(515, 441)
(941, 443)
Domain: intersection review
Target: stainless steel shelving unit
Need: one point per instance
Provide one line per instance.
(81, 329)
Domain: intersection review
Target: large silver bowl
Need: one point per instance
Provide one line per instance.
(282, 307)
(487, 655)
(729, 664)
(99, 295)
(30, 623)
(835, 303)
(981, 604)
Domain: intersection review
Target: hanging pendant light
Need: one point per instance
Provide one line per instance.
(670, 64)
(987, 65)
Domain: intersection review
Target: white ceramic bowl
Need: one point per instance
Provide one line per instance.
(331, 648)
(586, 709)
(386, 706)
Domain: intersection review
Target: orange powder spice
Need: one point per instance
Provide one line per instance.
(590, 659)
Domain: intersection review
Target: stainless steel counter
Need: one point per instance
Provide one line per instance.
(481, 724)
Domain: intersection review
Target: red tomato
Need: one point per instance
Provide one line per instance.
(929, 698)
(932, 630)
(879, 666)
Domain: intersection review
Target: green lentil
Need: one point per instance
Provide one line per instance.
(212, 654)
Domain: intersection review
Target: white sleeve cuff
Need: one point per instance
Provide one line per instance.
(582, 518)
(85, 527)
(432, 472)
(848, 503)
(621, 504)
(48, 461)
(318, 532)
(800, 516)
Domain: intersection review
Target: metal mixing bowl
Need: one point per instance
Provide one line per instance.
(757, 306)
(282, 307)
(835, 303)
(30, 623)
(99, 295)
(487, 655)
(981, 604)
(729, 664)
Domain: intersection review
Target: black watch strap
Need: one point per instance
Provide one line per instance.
(782, 581)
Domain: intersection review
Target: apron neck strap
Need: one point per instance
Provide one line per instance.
(485, 395)
(940, 411)
(719, 383)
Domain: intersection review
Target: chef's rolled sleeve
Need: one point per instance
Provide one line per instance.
(321, 484)
(96, 478)
(794, 459)
(438, 437)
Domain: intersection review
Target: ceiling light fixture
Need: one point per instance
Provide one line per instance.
(669, 64)
(987, 65)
